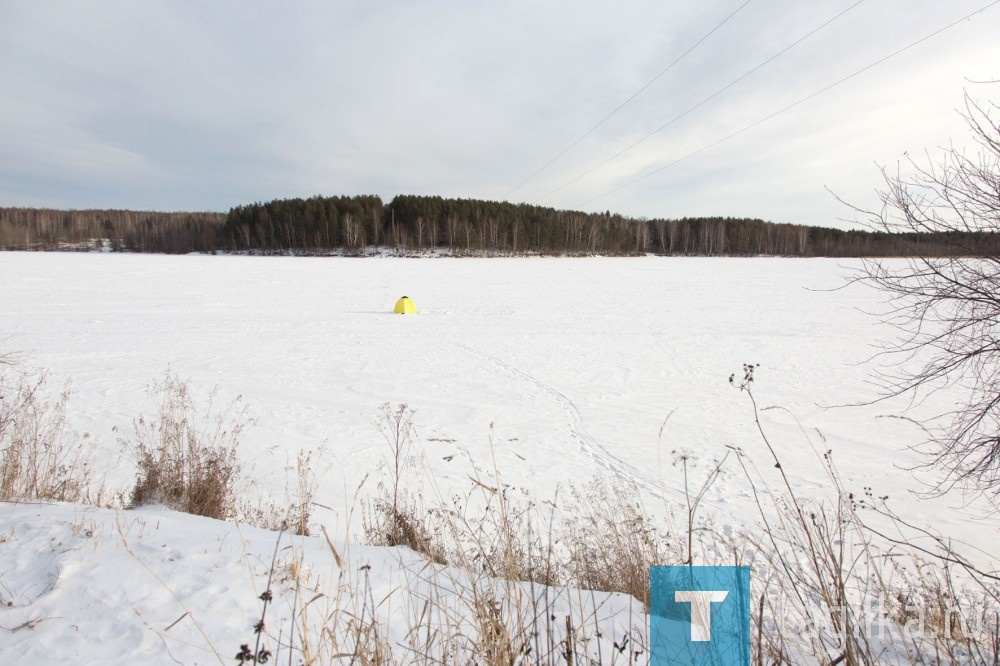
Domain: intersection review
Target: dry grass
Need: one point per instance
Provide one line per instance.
(510, 561)
(601, 538)
(442, 615)
(294, 513)
(187, 462)
(613, 541)
(38, 458)
(818, 567)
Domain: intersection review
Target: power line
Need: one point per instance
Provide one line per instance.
(623, 104)
(794, 104)
(698, 105)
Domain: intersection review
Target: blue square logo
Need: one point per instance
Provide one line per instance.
(699, 616)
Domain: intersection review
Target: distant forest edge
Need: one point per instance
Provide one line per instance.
(357, 225)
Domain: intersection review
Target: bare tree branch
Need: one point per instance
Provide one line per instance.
(945, 300)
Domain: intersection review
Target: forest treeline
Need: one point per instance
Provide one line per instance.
(407, 224)
(124, 230)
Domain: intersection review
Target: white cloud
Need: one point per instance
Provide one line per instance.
(187, 105)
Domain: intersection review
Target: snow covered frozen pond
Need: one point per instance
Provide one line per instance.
(538, 373)
(547, 370)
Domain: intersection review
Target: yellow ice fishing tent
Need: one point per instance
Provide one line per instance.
(405, 306)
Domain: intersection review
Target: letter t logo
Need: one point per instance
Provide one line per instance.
(701, 610)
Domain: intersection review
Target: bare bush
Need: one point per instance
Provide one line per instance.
(945, 299)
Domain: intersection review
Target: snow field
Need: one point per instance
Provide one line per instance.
(556, 369)
(536, 373)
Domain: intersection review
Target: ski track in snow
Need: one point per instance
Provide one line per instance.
(588, 444)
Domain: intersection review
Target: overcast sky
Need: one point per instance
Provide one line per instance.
(183, 105)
